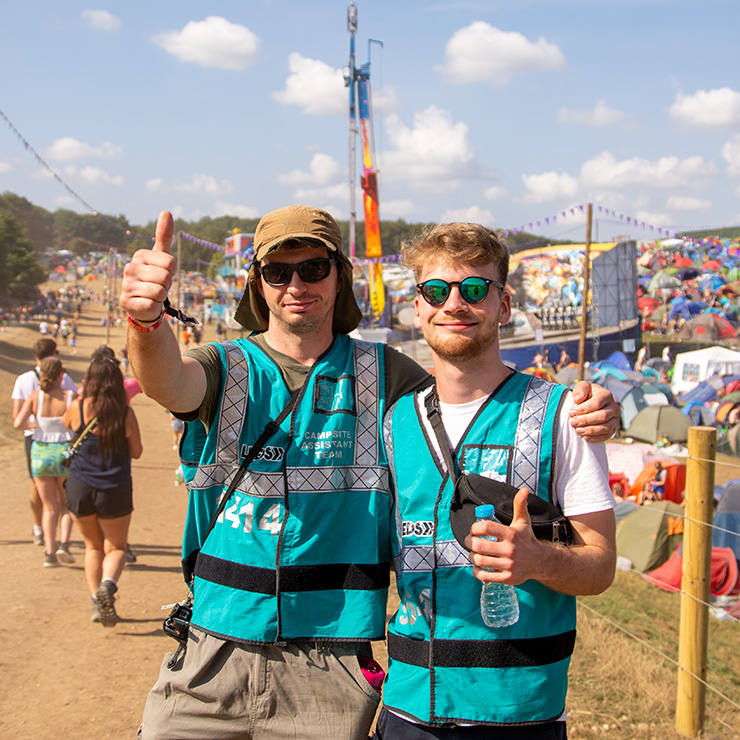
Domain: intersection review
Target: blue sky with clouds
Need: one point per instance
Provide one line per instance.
(499, 112)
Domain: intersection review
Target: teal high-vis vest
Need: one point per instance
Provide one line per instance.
(301, 549)
(446, 665)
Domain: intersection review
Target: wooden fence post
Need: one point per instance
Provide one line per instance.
(697, 551)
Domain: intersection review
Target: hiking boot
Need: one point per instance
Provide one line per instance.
(64, 555)
(50, 560)
(104, 597)
(96, 615)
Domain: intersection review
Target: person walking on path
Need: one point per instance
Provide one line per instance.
(50, 441)
(450, 674)
(285, 603)
(99, 486)
(25, 384)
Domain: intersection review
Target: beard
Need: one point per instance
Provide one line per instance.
(457, 347)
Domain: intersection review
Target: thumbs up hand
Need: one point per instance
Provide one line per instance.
(515, 556)
(148, 277)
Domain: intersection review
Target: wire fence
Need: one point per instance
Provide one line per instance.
(716, 603)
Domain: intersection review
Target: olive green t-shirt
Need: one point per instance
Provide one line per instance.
(403, 375)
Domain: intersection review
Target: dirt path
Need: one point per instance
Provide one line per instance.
(62, 676)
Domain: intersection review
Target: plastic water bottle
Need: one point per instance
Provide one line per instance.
(499, 605)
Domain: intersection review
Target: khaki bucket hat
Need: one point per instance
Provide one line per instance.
(316, 228)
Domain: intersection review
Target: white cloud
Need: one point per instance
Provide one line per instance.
(204, 185)
(213, 42)
(101, 20)
(316, 196)
(433, 156)
(473, 214)
(481, 52)
(709, 109)
(495, 192)
(93, 175)
(549, 186)
(67, 149)
(600, 115)
(313, 86)
(605, 171)
(5, 167)
(398, 208)
(197, 185)
(687, 203)
(323, 170)
(155, 185)
(233, 209)
(731, 152)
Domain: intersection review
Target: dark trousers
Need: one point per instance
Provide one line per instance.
(393, 727)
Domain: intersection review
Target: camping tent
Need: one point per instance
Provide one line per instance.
(649, 535)
(708, 327)
(723, 573)
(675, 483)
(659, 422)
(726, 532)
(693, 367)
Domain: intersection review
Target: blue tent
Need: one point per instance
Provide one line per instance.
(700, 415)
(711, 283)
(620, 360)
(703, 392)
(726, 532)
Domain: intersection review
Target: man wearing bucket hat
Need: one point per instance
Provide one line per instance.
(290, 577)
(485, 429)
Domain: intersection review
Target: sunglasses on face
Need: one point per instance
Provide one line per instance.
(473, 290)
(310, 271)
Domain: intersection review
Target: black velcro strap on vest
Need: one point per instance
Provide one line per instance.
(293, 578)
(520, 653)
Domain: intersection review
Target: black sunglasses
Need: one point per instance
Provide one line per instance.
(473, 290)
(310, 271)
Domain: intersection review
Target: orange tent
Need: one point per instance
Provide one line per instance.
(675, 485)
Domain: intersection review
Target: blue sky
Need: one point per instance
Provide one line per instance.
(506, 113)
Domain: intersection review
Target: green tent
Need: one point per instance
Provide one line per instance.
(648, 536)
(660, 422)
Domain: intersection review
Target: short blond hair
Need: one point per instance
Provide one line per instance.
(467, 243)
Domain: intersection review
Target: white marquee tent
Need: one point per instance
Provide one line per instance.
(692, 367)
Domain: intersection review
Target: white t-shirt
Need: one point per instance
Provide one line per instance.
(581, 484)
(27, 383)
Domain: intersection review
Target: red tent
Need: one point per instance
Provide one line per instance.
(723, 572)
(708, 326)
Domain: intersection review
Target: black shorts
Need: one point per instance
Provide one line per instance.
(82, 500)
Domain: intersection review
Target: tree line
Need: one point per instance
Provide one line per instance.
(28, 231)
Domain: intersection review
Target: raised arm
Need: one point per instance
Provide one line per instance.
(177, 383)
(585, 567)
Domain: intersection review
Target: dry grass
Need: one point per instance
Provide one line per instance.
(620, 688)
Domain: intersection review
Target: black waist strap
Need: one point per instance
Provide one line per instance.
(519, 653)
(293, 578)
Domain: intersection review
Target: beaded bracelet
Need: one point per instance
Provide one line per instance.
(146, 325)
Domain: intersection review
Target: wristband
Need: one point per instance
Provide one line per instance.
(146, 325)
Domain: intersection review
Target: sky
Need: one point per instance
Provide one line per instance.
(510, 114)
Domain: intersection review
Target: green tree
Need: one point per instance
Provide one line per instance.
(20, 271)
(37, 221)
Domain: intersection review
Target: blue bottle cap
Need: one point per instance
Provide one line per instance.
(484, 511)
